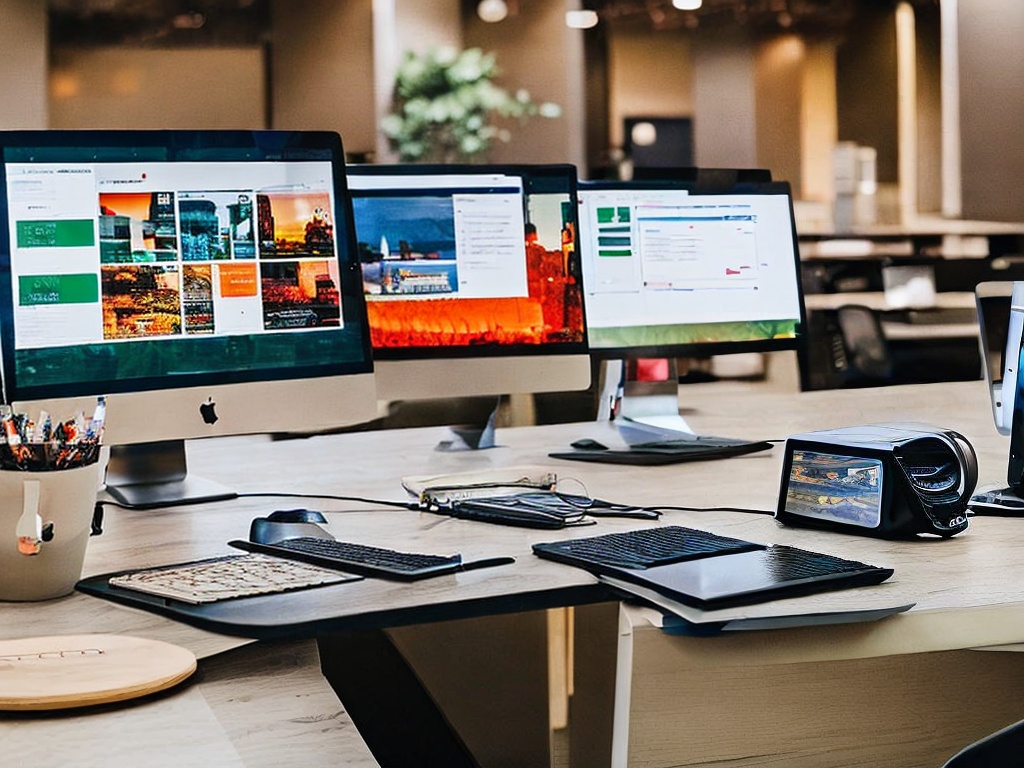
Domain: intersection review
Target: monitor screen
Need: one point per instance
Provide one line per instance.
(198, 280)
(472, 278)
(1000, 306)
(673, 270)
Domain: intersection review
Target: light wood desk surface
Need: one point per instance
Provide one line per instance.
(968, 591)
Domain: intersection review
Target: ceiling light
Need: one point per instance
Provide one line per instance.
(191, 20)
(643, 134)
(581, 19)
(687, 5)
(492, 11)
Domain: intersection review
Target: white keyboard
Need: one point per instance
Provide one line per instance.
(231, 576)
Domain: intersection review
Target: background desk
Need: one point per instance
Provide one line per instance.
(937, 344)
(672, 701)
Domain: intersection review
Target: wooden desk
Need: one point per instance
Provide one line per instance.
(905, 691)
(965, 589)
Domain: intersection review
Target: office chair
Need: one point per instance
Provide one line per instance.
(867, 351)
(1002, 749)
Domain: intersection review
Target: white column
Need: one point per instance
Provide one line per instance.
(952, 203)
(906, 110)
(385, 63)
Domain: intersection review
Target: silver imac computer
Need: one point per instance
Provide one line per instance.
(204, 282)
(1000, 306)
(472, 279)
(682, 268)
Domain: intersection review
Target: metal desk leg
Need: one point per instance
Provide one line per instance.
(394, 713)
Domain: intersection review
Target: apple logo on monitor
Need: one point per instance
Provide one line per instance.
(208, 411)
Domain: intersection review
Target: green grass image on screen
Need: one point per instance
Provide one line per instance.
(697, 333)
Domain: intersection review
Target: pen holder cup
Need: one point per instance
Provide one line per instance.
(45, 521)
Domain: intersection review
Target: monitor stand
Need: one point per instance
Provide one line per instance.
(1003, 502)
(148, 475)
(646, 411)
(472, 437)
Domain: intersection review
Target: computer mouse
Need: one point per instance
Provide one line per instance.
(296, 516)
(263, 530)
(587, 444)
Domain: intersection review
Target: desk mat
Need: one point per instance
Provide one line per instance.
(335, 606)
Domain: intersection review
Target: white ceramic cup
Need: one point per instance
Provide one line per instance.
(63, 502)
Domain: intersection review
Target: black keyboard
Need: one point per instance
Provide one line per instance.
(708, 571)
(358, 558)
(698, 443)
(669, 451)
(793, 564)
(644, 548)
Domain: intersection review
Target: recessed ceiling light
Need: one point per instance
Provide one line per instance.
(581, 19)
(492, 11)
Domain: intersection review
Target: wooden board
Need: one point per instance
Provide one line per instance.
(65, 671)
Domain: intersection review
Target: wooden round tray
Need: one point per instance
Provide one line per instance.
(68, 671)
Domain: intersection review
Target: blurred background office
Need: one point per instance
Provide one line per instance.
(932, 86)
(881, 113)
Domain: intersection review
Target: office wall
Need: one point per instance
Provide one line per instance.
(724, 128)
(537, 51)
(157, 88)
(23, 65)
(929, 111)
(866, 87)
(778, 78)
(322, 69)
(819, 127)
(992, 109)
(648, 76)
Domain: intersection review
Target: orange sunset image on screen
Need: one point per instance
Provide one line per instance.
(295, 224)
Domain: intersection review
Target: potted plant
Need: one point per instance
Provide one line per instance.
(446, 107)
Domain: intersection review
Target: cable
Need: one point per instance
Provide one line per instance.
(361, 499)
(746, 510)
(96, 526)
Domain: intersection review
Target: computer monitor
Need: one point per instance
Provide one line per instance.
(205, 282)
(1000, 306)
(680, 268)
(472, 278)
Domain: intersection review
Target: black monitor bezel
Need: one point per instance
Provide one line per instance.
(185, 145)
(563, 171)
(713, 184)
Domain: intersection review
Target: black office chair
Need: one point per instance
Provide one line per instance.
(867, 352)
(1002, 749)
